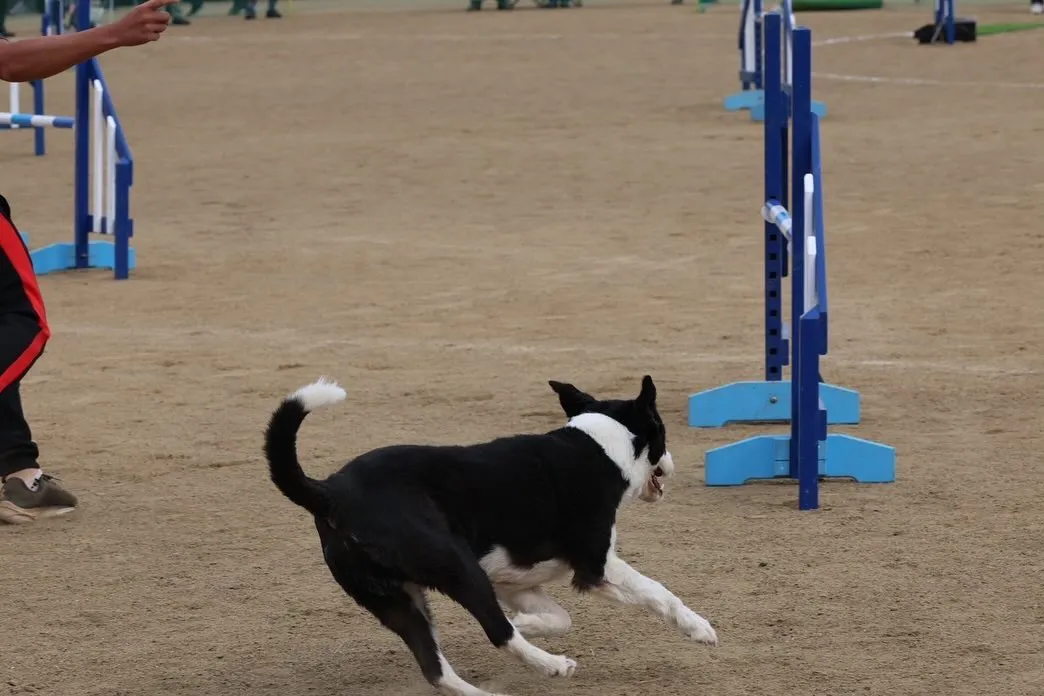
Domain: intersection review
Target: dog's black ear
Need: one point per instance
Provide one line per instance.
(574, 402)
(647, 397)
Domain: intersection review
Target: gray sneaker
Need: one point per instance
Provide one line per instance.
(20, 504)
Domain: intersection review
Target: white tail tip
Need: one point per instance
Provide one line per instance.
(324, 392)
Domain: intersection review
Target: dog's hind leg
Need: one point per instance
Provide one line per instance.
(400, 607)
(406, 613)
(538, 614)
(463, 580)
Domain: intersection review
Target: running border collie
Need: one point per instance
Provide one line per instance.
(487, 524)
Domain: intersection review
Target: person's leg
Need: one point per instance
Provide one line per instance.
(250, 9)
(194, 7)
(272, 13)
(18, 452)
(25, 492)
(4, 33)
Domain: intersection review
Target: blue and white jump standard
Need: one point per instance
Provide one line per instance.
(752, 61)
(808, 452)
(104, 166)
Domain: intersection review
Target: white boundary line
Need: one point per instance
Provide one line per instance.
(863, 37)
(918, 81)
(443, 37)
(911, 81)
(610, 36)
(149, 337)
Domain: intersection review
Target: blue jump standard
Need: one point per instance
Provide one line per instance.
(754, 99)
(768, 457)
(747, 99)
(766, 402)
(62, 256)
(808, 452)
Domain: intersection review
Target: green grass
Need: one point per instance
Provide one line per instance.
(991, 29)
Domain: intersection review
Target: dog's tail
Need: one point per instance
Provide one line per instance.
(281, 445)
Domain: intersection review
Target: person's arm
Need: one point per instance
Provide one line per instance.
(46, 56)
(37, 59)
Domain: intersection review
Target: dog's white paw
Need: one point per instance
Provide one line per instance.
(560, 666)
(540, 660)
(554, 665)
(697, 628)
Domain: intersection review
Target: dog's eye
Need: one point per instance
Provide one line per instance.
(658, 471)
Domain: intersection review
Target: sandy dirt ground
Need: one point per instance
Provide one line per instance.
(443, 210)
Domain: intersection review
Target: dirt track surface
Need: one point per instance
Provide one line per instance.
(445, 210)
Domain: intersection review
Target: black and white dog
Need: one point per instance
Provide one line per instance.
(487, 522)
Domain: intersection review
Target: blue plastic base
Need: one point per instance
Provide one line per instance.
(62, 257)
(757, 113)
(766, 402)
(747, 99)
(768, 457)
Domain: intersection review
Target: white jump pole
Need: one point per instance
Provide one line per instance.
(811, 300)
(98, 155)
(15, 99)
(110, 176)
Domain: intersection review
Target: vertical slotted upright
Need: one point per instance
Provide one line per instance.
(804, 444)
(82, 224)
(776, 348)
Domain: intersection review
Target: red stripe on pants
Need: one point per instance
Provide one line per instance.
(12, 247)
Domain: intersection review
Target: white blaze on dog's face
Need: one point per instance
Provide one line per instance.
(649, 464)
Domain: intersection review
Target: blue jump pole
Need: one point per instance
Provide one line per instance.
(776, 344)
(81, 167)
(804, 442)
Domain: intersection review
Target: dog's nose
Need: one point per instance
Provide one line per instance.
(658, 471)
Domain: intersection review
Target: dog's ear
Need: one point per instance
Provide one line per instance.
(647, 397)
(574, 402)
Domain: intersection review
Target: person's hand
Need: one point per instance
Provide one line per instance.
(142, 24)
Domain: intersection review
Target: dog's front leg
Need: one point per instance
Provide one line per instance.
(624, 584)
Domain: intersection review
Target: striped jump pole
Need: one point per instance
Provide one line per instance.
(17, 120)
(792, 212)
(36, 120)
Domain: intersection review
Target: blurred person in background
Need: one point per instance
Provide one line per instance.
(249, 9)
(4, 8)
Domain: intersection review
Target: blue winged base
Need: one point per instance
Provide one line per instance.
(746, 99)
(768, 457)
(62, 256)
(766, 402)
(757, 112)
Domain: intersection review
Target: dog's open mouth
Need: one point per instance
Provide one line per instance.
(653, 489)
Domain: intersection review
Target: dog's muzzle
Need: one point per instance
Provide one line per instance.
(652, 490)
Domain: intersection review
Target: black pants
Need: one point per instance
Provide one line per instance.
(23, 334)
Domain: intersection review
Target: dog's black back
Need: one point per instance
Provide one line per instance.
(537, 496)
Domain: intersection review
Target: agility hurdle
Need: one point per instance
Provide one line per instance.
(808, 452)
(752, 60)
(47, 27)
(104, 166)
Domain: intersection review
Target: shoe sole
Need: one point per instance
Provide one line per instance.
(12, 514)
